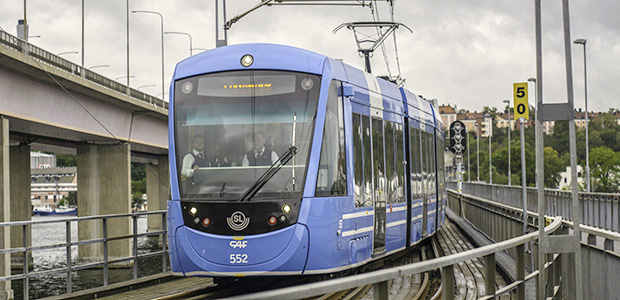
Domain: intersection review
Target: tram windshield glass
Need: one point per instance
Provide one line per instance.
(231, 127)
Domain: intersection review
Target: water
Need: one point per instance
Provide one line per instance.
(49, 259)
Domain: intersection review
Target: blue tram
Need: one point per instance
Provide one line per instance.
(287, 162)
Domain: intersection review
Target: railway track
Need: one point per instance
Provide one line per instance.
(469, 279)
(469, 276)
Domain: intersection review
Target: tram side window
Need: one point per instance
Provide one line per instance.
(416, 162)
(358, 160)
(389, 162)
(431, 163)
(399, 158)
(367, 161)
(425, 169)
(378, 160)
(332, 176)
(440, 163)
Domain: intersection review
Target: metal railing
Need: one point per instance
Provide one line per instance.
(600, 210)
(58, 62)
(105, 239)
(446, 263)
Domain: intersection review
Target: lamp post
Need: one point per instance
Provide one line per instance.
(490, 127)
(468, 160)
(585, 87)
(186, 34)
(117, 78)
(162, 44)
(98, 66)
(143, 86)
(67, 52)
(536, 129)
(477, 152)
(509, 130)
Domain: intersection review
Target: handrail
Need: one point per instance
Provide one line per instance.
(334, 285)
(69, 267)
(48, 58)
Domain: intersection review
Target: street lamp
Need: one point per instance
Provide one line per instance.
(162, 44)
(143, 86)
(490, 128)
(509, 129)
(585, 87)
(186, 34)
(536, 131)
(117, 78)
(98, 66)
(68, 52)
(477, 151)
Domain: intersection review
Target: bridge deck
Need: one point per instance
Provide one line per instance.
(177, 288)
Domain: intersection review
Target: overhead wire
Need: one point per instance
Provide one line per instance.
(374, 8)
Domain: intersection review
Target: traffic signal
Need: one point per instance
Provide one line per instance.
(458, 137)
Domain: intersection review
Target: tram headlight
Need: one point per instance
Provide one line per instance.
(193, 210)
(187, 87)
(247, 60)
(286, 208)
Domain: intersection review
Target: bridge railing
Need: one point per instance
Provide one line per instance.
(70, 264)
(600, 210)
(380, 278)
(58, 62)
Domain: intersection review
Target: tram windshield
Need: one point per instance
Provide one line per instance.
(232, 126)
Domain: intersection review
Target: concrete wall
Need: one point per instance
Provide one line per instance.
(21, 207)
(104, 186)
(157, 191)
(5, 209)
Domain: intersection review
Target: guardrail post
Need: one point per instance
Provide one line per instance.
(68, 238)
(105, 251)
(26, 262)
(489, 282)
(380, 290)
(520, 276)
(135, 246)
(164, 266)
(447, 282)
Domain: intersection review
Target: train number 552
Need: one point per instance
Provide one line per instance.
(238, 258)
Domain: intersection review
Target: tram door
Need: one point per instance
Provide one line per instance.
(379, 193)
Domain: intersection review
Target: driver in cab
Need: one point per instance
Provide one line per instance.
(259, 155)
(196, 158)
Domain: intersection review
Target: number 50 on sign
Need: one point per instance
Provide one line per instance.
(521, 105)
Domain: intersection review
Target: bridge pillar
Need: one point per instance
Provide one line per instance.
(21, 206)
(157, 192)
(5, 209)
(104, 187)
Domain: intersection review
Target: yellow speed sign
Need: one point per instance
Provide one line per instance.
(521, 105)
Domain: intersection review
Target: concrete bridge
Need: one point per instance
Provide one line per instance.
(50, 104)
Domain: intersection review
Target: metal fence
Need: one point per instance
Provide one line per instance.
(105, 239)
(60, 63)
(380, 278)
(600, 210)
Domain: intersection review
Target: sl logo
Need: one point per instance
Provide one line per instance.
(238, 221)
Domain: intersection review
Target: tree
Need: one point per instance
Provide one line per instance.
(605, 170)
(553, 167)
(66, 160)
(72, 199)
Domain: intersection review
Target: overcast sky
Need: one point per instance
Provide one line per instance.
(463, 53)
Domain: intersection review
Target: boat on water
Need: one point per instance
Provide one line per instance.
(47, 210)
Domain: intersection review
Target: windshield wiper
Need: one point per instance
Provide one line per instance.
(275, 167)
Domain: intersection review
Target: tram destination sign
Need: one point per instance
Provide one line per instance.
(458, 137)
